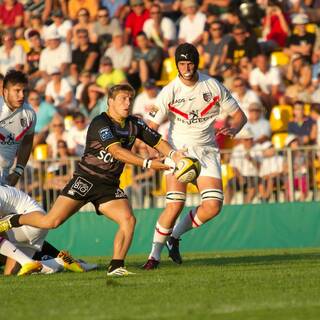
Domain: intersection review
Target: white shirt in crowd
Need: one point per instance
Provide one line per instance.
(259, 128)
(249, 97)
(141, 104)
(121, 59)
(192, 29)
(167, 27)
(62, 30)
(266, 80)
(77, 140)
(16, 56)
(50, 59)
(58, 97)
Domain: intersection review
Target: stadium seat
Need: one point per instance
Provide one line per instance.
(227, 174)
(278, 139)
(126, 177)
(280, 117)
(307, 109)
(68, 122)
(279, 58)
(310, 27)
(40, 152)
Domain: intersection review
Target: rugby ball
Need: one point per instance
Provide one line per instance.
(187, 169)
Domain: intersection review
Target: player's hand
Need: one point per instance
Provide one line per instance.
(12, 179)
(159, 165)
(227, 131)
(178, 155)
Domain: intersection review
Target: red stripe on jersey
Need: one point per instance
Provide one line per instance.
(2, 137)
(209, 106)
(163, 233)
(20, 135)
(192, 219)
(175, 110)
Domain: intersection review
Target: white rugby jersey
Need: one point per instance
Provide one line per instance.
(192, 110)
(14, 125)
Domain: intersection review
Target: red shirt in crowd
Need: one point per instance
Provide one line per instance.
(8, 16)
(135, 23)
(276, 33)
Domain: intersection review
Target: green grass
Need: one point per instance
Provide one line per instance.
(246, 285)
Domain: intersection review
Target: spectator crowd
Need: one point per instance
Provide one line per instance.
(266, 52)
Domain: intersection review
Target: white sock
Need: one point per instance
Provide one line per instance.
(189, 221)
(11, 251)
(159, 238)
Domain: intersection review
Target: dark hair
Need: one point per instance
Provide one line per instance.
(82, 31)
(115, 90)
(315, 107)
(1, 76)
(78, 114)
(142, 33)
(85, 94)
(239, 26)
(14, 77)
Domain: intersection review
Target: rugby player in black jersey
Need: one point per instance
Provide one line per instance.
(110, 138)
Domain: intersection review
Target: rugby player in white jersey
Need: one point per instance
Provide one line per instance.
(17, 122)
(192, 102)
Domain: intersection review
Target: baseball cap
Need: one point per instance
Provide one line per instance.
(150, 83)
(57, 13)
(106, 60)
(300, 18)
(225, 67)
(289, 139)
(54, 70)
(52, 34)
(245, 133)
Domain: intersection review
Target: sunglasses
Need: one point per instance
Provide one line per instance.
(103, 15)
(57, 125)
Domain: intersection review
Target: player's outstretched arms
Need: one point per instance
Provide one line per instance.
(165, 148)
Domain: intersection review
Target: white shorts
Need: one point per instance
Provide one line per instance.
(209, 158)
(27, 239)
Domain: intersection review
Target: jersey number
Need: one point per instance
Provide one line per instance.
(105, 156)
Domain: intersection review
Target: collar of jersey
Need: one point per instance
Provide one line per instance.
(121, 124)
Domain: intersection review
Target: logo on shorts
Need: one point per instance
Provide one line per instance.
(80, 186)
(105, 133)
(120, 194)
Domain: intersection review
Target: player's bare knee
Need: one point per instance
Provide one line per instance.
(175, 208)
(128, 222)
(212, 208)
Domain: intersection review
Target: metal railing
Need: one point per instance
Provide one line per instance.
(248, 177)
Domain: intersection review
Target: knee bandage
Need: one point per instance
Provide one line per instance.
(212, 194)
(175, 196)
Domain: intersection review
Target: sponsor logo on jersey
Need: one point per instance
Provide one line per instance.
(179, 100)
(80, 186)
(105, 134)
(207, 96)
(8, 140)
(105, 156)
(23, 122)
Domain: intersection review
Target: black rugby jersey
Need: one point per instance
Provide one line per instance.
(96, 161)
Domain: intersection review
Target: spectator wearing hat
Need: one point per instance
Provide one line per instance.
(191, 26)
(108, 76)
(147, 60)
(244, 95)
(267, 82)
(104, 27)
(135, 20)
(62, 25)
(257, 124)
(301, 41)
(85, 56)
(55, 55)
(11, 14)
(91, 6)
(302, 126)
(159, 29)
(145, 100)
(84, 22)
(120, 53)
(241, 45)
(215, 52)
(12, 55)
(31, 66)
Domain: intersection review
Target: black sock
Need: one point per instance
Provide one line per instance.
(47, 250)
(14, 221)
(115, 264)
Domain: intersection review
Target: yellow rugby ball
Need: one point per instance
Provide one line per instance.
(187, 169)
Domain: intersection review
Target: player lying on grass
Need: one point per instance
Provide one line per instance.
(110, 138)
(30, 241)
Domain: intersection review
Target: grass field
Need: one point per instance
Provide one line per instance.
(246, 285)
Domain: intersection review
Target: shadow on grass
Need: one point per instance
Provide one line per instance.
(253, 260)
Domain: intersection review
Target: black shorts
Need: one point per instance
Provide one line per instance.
(83, 188)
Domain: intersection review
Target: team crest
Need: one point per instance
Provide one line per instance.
(207, 96)
(105, 133)
(23, 122)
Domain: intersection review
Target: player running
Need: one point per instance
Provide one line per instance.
(192, 102)
(110, 138)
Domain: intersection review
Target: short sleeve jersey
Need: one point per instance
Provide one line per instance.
(14, 125)
(193, 110)
(97, 162)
